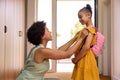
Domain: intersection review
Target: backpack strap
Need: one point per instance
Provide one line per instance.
(92, 30)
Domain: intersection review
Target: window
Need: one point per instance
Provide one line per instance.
(45, 14)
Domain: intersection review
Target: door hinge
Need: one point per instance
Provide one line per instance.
(20, 33)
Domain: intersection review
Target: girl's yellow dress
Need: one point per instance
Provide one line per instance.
(86, 68)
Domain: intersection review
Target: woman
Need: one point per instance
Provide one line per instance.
(37, 63)
(85, 62)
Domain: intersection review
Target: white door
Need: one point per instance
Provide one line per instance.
(2, 39)
(11, 42)
(14, 37)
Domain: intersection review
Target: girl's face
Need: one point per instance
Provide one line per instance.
(47, 36)
(83, 17)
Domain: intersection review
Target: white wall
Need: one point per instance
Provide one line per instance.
(109, 24)
(115, 48)
(104, 20)
(31, 17)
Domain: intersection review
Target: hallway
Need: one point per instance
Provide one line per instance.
(17, 15)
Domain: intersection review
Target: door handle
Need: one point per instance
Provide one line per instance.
(5, 29)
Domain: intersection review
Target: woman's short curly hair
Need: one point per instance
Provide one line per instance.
(36, 32)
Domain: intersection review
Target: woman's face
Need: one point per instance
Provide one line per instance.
(83, 17)
(47, 36)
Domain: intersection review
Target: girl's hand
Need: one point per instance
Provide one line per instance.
(74, 61)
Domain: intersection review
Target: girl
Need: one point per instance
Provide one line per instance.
(37, 63)
(85, 62)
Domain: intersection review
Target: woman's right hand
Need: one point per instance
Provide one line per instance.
(77, 34)
(84, 33)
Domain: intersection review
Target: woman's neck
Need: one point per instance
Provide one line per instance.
(45, 43)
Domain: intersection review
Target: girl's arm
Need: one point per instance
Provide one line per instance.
(84, 49)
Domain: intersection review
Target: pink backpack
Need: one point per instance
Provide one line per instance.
(97, 47)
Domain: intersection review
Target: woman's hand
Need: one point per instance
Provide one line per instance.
(77, 34)
(81, 34)
(84, 33)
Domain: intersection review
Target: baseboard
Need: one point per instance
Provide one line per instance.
(51, 79)
(115, 78)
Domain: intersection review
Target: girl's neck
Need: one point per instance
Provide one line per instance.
(89, 23)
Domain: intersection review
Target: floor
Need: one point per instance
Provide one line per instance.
(67, 76)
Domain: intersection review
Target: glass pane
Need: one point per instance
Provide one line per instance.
(68, 25)
(45, 13)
